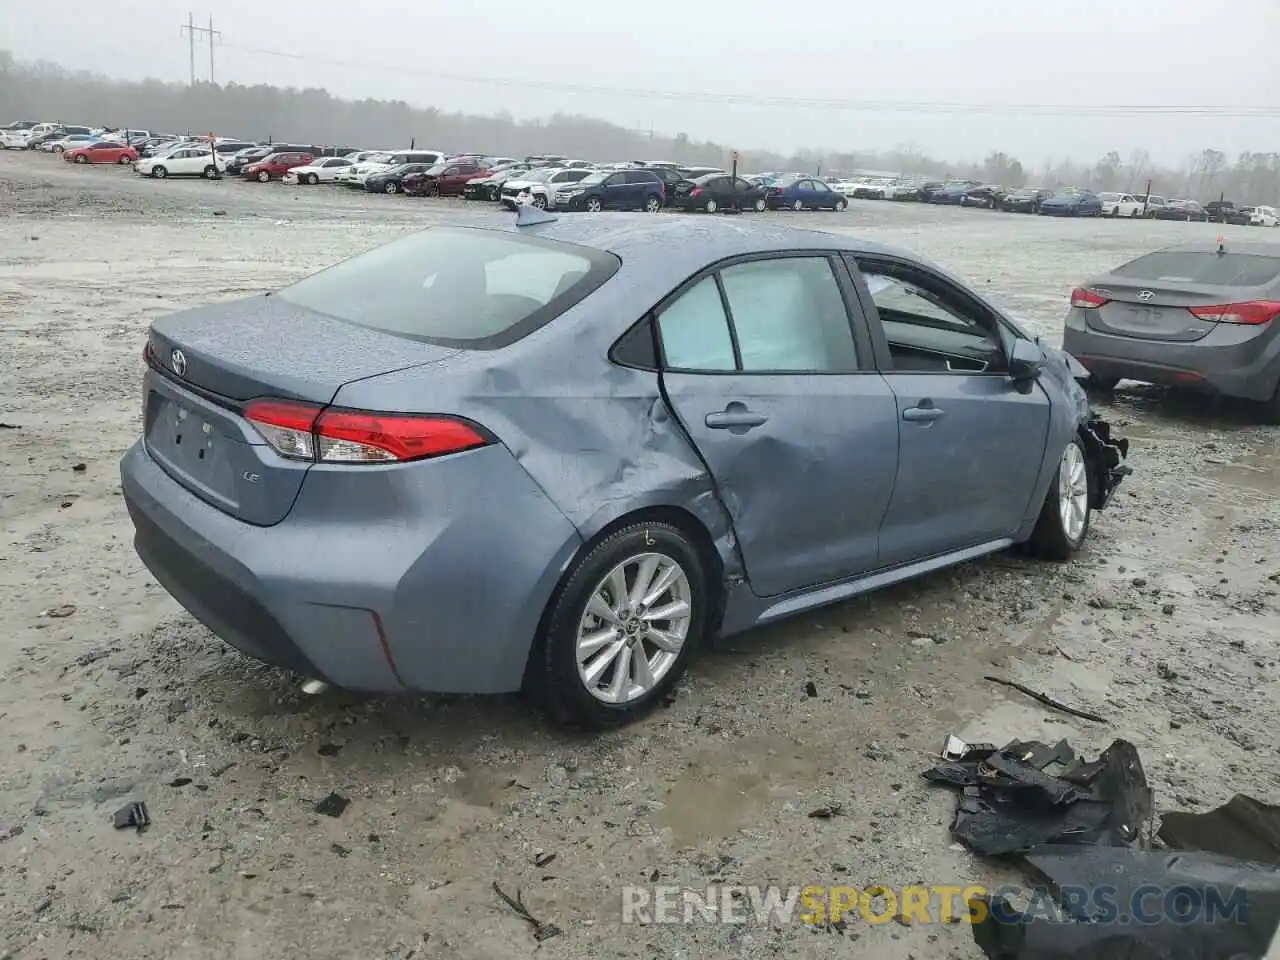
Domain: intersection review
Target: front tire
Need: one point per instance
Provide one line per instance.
(840, 206)
(313, 179)
(391, 187)
(1064, 519)
(82, 159)
(211, 172)
(594, 205)
(540, 201)
(761, 206)
(621, 630)
(124, 161)
(263, 176)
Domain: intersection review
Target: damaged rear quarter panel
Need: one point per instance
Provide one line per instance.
(597, 438)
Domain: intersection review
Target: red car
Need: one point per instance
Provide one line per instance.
(444, 179)
(104, 152)
(275, 166)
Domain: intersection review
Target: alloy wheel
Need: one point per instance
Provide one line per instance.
(635, 624)
(1073, 492)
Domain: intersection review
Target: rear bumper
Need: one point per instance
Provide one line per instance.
(423, 577)
(1232, 359)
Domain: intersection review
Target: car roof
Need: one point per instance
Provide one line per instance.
(645, 241)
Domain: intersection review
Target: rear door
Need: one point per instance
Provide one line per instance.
(971, 440)
(774, 385)
(1150, 298)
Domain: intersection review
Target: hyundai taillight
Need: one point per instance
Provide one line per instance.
(1254, 312)
(1086, 299)
(305, 431)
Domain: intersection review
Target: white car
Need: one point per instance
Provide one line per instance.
(901, 188)
(538, 187)
(1120, 205)
(14, 139)
(360, 172)
(323, 170)
(1264, 217)
(183, 161)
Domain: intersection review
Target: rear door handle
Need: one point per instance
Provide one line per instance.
(736, 417)
(922, 414)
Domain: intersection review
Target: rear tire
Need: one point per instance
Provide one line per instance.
(797, 206)
(557, 673)
(540, 201)
(124, 161)
(391, 187)
(1068, 506)
(652, 204)
(761, 206)
(263, 176)
(211, 172)
(313, 178)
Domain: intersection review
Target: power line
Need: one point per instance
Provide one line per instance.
(875, 106)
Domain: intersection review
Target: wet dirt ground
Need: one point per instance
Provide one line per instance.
(1167, 625)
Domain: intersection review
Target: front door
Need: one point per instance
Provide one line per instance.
(971, 440)
(775, 387)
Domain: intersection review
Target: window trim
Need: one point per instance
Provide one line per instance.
(858, 327)
(1004, 330)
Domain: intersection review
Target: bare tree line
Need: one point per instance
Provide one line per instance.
(46, 91)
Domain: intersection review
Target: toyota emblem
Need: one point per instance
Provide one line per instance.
(1146, 296)
(179, 361)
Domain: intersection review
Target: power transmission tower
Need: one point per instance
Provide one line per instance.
(206, 33)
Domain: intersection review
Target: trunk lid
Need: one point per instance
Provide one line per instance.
(207, 362)
(1152, 311)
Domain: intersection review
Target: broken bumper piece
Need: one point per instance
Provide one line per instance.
(1107, 455)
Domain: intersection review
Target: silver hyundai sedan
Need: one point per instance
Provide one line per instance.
(1204, 316)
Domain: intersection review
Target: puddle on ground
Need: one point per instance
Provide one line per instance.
(1259, 471)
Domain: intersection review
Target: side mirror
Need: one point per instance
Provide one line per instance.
(1026, 361)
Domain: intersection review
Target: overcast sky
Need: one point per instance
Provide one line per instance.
(1067, 60)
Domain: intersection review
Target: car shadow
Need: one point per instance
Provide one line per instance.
(1179, 407)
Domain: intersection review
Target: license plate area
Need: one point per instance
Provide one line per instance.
(192, 449)
(1146, 317)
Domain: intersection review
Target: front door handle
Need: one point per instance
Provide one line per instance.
(736, 417)
(925, 413)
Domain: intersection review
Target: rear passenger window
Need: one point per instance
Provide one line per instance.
(789, 315)
(695, 332)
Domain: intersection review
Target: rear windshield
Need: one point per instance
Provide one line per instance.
(457, 286)
(1185, 266)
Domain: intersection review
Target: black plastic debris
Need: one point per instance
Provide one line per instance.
(1011, 803)
(180, 782)
(329, 749)
(1242, 827)
(133, 815)
(541, 931)
(332, 805)
(827, 811)
(1116, 903)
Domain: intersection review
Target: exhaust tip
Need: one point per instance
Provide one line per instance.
(314, 687)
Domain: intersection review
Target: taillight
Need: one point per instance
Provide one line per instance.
(775, 191)
(304, 431)
(1254, 312)
(1086, 299)
(695, 191)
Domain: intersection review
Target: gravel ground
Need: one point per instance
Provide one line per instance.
(109, 692)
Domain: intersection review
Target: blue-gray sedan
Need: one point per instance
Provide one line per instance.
(559, 455)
